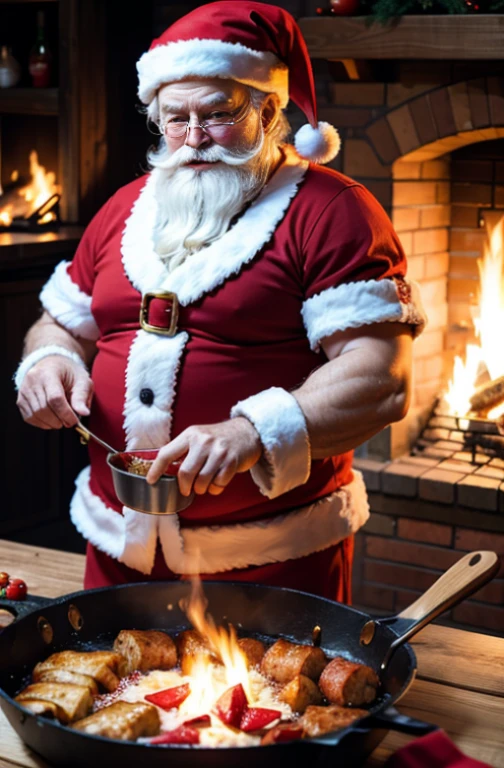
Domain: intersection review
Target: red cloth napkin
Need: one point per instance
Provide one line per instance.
(435, 750)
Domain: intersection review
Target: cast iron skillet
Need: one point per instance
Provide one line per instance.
(90, 620)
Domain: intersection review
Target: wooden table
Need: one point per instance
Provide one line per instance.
(459, 686)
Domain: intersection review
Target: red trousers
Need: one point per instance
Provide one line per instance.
(327, 573)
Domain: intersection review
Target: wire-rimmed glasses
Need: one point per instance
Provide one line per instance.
(216, 125)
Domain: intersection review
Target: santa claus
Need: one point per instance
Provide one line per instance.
(275, 324)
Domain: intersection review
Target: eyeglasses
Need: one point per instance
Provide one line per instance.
(216, 125)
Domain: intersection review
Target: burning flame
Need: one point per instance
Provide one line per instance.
(208, 680)
(31, 197)
(489, 327)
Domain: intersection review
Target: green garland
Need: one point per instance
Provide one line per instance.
(383, 10)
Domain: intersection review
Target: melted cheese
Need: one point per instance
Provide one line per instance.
(217, 734)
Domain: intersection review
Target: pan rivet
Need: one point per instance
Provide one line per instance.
(45, 629)
(75, 618)
(316, 636)
(367, 632)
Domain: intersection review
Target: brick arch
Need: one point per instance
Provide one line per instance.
(440, 121)
(423, 133)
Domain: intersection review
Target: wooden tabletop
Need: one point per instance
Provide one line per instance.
(459, 686)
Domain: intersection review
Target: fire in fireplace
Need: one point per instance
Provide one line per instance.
(31, 205)
(477, 386)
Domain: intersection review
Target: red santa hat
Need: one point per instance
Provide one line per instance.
(253, 43)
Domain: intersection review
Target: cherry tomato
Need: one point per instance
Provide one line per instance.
(344, 7)
(4, 578)
(15, 590)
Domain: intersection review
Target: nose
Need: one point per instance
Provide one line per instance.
(196, 137)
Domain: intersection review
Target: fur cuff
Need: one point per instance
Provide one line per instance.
(281, 425)
(70, 306)
(351, 305)
(39, 354)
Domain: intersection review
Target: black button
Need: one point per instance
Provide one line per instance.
(147, 396)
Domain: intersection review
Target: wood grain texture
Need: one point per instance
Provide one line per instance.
(47, 572)
(461, 580)
(462, 659)
(408, 37)
(29, 101)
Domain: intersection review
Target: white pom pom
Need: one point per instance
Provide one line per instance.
(320, 145)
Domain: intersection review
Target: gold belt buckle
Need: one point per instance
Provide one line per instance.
(144, 313)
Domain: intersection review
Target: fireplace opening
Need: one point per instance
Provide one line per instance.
(456, 252)
(30, 205)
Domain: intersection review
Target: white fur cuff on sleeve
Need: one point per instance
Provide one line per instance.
(70, 306)
(39, 354)
(281, 425)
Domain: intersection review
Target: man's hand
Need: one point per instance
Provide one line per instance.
(214, 453)
(51, 389)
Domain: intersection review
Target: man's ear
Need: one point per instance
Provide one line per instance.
(269, 111)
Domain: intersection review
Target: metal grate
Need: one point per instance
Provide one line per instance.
(33, 223)
(446, 435)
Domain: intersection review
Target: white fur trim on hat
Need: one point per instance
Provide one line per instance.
(280, 422)
(211, 58)
(320, 145)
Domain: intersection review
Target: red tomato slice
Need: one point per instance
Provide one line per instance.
(170, 697)
(230, 707)
(255, 718)
(181, 735)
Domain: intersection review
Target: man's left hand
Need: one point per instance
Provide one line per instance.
(213, 455)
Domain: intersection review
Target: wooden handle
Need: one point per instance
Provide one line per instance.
(461, 580)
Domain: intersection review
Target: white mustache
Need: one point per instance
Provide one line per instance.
(213, 154)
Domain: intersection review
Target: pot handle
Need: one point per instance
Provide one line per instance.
(391, 719)
(461, 580)
(21, 608)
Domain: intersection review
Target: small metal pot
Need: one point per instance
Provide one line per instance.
(132, 490)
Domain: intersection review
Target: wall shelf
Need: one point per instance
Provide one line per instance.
(29, 101)
(408, 37)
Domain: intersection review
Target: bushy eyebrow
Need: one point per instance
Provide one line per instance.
(216, 99)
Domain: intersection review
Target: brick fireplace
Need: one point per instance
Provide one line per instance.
(428, 141)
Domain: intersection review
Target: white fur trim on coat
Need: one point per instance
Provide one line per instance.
(215, 549)
(153, 363)
(352, 305)
(213, 265)
(70, 306)
(211, 58)
(38, 354)
(112, 532)
(280, 422)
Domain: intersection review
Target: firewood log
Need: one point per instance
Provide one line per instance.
(488, 395)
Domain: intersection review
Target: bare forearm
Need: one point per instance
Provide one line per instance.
(355, 395)
(46, 331)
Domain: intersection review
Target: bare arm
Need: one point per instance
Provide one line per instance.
(56, 386)
(47, 331)
(362, 388)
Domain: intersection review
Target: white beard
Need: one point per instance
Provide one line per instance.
(196, 207)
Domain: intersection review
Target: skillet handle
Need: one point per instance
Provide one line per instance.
(21, 608)
(461, 580)
(391, 719)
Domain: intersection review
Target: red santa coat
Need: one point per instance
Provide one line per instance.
(315, 253)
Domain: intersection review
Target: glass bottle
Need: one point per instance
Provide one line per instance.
(40, 60)
(10, 71)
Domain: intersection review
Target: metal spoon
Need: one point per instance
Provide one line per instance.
(86, 435)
